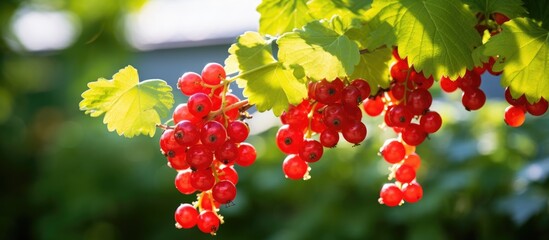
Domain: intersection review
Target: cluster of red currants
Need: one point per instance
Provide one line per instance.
(204, 144)
(332, 107)
(406, 109)
(472, 98)
(492, 23)
(515, 113)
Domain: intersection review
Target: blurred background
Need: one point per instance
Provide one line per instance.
(64, 176)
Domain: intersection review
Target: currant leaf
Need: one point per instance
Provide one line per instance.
(280, 16)
(347, 10)
(374, 68)
(267, 83)
(436, 36)
(523, 47)
(510, 8)
(273, 86)
(321, 48)
(130, 107)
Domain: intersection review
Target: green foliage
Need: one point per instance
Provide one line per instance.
(130, 107)
(374, 68)
(278, 17)
(436, 36)
(321, 48)
(511, 8)
(523, 47)
(267, 83)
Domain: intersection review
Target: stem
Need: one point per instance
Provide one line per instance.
(310, 119)
(241, 104)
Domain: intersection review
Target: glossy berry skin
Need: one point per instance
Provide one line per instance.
(288, 139)
(208, 222)
(405, 174)
(539, 108)
(228, 173)
(186, 216)
(199, 105)
(181, 113)
(227, 153)
(213, 73)
(363, 87)
(413, 160)
(393, 151)
(328, 92)
(294, 167)
(190, 83)
(199, 157)
(213, 134)
(514, 116)
(168, 144)
(246, 155)
(238, 131)
(521, 101)
(335, 117)
(448, 85)
(296, 116)
(186, 133)
(391, 195)
(400, 116)
(413, 134)
(329, 138)
(373, 106)
(430, 122)
(354, 132)
(202, 180)
(177, 159)
(473, 99)
(351, 96)
(311, 151)
(412, 193)
(399, 71)
(470, 80)
(224, 192)
(419, 101)
(183, 182)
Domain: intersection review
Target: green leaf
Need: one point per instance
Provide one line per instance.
(538, 10)
(374, 68)
(280, 16)
(273, 86)
(267, 83)
(511, 8)
(130, 107)
(438, 37)
(347, 10)
(321, 48)
(523, 47)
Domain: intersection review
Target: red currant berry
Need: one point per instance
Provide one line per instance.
(354, 132)
(213, 73)
(390, 195)
(186, 216)
(186, 133)
(448, 85)
(393, 151)
(514, 116)
(224, 192)
(227, 153)
(405, 174)
(539, 108)
(329, 92)
(412, 192)
(373, 106)
(183, 182)
(199, 105)
(213, 134)
(190, 83)
(413, 134)
(430, 122)
(329, 138)
(181, 113)
(294, 167)
(363, 87)
(238, 131)
(311, 151)
(473, 99)
(199, 157)
(246, 155)
(202, 180)
(288, 139)
(208, 222)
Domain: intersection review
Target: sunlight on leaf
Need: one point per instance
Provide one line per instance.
(131, 107)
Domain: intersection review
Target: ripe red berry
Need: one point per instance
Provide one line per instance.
(373, 106)
(311, 151)
(329, 138)
(199, 105)
(202, 180)
(412, 192)
(405, 173)
(183, 182)
(470, 80)
(228, 173)
(213, 73)
(199, 157)
(208, 222)
(430, 122)
(400, 116)
(473, 99)
(448, 85)
(238, 131)
(246, 155)
(363, 87)
(181, 113)
(224, 192)
(213, 134)
(354, 132)
(288, 139)
(227, 153)
(500, 18)
(294, 167)
(390, 195)
(539, 108)
(514, 116)
(335, 117)
(186, 216)
(393, 151)
(399, 71)
(413, 160)
(329, 92)
(520, 102)
(351, 96)
(190, 83)
(419, 101)
(186, 133)
(413, 134)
